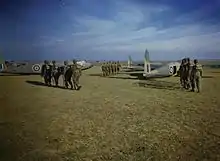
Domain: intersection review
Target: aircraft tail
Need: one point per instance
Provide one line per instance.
(147, 67)
(129, 61)
(2, 64)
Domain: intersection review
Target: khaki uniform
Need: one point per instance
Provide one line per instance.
(181, 74)
(77, 72)
(115, 67)
(103, 68)
(55, 74)
(196, 77)
(118, 67)
(108, 69)
(188, 74)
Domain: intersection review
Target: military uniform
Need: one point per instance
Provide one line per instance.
(76, 75)
(46, 73)
(118, 66)
(108, 69)
(55, 73)
(67, 75)
(103, 67)
(181, 73)
(188, 73)
(115, 67)
(196, 76)
(185, 74)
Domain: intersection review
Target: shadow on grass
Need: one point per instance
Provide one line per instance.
(158, 84)
(207, 76)
(37, 83)
(13, 75)
(134, 76)
(16, 74)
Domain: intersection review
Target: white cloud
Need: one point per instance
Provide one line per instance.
(127, 32)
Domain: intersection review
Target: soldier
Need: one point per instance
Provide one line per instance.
(103, 67)
(76, 75)
(181, 73)
(196, 76)
(107, 69)
(185, 73)
(188, 73)
(55, 73)
(67, 75)
(46, 72)
(118, 66)
(111, 68)
(115, 67)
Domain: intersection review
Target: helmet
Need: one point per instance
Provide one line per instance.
(188, 59)
(53, 61)
(195, 61)
(46, 62)
(74, 61)
(65, 62)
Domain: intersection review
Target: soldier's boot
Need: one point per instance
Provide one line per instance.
(66, 84)
(45, 80)
(71, 84)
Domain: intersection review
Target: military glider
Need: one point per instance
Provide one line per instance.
(32, 67)
(153, 69)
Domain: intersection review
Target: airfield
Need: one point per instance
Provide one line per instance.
(119, 118)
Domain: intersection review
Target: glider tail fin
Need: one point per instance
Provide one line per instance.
(2, 64)
(147, 67)
(129, 61)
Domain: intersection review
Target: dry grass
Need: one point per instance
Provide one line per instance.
(109, 119)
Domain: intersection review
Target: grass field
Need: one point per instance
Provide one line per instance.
(119, 119)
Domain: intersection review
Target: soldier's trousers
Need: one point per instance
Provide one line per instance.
(47, 79)
(196, 83)
(56, 78)
(188, 83)
(181, 81)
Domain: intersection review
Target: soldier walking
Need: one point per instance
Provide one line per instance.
(108, 69)
(181, 73)
(112, 68)
(118, 66)
(196, 76)
(188, 73)
(55, 73)
(103, 67)
(76, 75)
(67, 75)
(46, 72)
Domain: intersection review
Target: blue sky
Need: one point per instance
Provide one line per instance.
(109, 29)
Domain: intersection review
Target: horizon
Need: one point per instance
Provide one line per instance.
(112, 30)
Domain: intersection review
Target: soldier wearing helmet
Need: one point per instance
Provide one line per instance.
(103, 68)
(196, 76)
(46, 72)
(188, 72)
(55, 73)
(181, 72)
(118, 66)
(76, 70)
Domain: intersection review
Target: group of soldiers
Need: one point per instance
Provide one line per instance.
(110, 68)
(70, 74)
(190, 74)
